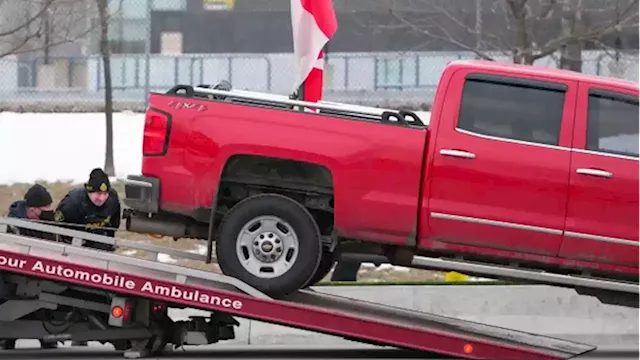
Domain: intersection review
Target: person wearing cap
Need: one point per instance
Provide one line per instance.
(93, 208)
(36, 205)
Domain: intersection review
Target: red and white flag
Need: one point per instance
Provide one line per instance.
(314, 23)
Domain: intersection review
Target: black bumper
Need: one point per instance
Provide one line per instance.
(142, 193)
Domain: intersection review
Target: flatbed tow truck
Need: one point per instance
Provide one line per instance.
(58, 291)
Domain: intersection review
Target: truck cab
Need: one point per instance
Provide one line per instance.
(542, 162)
(519, 165)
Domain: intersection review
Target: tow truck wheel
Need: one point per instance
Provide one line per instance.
(8, 344)
(121, 345)
(270, 242)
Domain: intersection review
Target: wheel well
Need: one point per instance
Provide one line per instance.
(308, 183)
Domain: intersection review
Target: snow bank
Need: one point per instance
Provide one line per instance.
(61, 147)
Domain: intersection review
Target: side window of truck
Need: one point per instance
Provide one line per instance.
(612, 123)
(512, 110)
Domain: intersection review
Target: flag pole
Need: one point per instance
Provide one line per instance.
(299, 95)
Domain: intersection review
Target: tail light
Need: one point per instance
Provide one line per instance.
(156, 133)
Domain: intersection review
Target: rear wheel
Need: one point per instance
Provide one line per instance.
(270, 242)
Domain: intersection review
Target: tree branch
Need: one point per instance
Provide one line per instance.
(68, 24)
(29, 21)
(446, 38)
(590, 34)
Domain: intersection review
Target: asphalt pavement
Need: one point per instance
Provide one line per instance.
(29, 350)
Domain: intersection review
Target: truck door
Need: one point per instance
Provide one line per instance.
(499, 177)
(602, 213)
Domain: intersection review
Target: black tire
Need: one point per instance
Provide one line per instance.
(121, 345)
(48, 345)
(8, 344)
(326, 263)
(303, 226)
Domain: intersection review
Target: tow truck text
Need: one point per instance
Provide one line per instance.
(102, 279)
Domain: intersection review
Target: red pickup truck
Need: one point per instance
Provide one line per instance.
(515, 164)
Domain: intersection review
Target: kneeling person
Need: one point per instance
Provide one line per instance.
(37, 205)
(95, 208)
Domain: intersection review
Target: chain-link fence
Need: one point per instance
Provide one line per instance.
(373, 78)
(148, 54)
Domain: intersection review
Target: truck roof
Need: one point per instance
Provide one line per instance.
(512, 68)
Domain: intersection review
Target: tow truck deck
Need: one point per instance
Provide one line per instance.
(123, 300)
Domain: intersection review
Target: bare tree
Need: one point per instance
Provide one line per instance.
(524, 30)
(105, 51)
(40, 25)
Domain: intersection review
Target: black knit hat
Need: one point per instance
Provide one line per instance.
(98, 181)
(37, 196)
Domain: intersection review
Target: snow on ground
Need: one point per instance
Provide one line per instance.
(200, 250)
(61, 146)
(167, 259)
(129, 252)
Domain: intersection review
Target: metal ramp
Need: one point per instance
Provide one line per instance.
(308, 309)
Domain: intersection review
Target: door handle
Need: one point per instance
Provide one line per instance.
(457, 153)
(595, 172)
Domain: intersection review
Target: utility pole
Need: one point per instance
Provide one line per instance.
(147, 55)
(478, 27)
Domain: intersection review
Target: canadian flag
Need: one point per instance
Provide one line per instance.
(313, 23)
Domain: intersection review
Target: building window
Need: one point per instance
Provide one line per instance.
(134, 9)
(169, 5)
(171, 43)
(128, 29)
(512, 111)
(612, 124)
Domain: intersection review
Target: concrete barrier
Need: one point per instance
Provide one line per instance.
(542, 310)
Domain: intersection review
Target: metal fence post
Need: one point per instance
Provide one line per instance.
(147, 55)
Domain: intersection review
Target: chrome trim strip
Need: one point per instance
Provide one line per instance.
(602, 238)
(554, 147)
(496, 223)
(489, 137)
(591, 152)
(505, 224)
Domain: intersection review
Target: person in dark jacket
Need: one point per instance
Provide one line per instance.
(94, 208)
(36, 205)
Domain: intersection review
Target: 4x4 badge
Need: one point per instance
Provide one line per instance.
(180, 105)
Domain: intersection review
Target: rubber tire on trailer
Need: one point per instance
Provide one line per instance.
(326, 263)
(8, 344)
(304, 227)
(121, 345)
